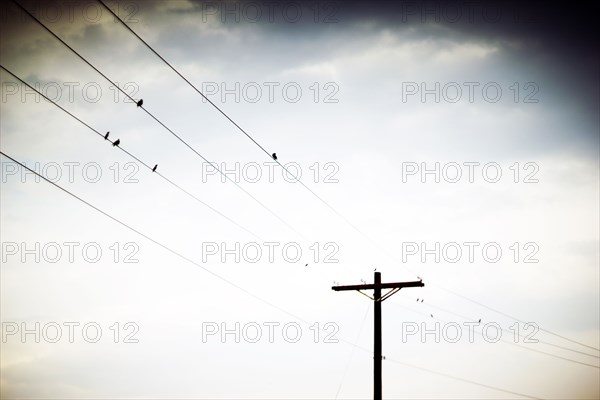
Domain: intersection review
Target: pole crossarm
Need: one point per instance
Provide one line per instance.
(372, 286)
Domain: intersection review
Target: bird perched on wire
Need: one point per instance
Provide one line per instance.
(139, 103)
(117, 142)
(274, 155)
(154, 169)
(106, 136)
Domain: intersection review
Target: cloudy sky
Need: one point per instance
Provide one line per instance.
(456, 143)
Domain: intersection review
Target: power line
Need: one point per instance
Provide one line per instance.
(449, 376)
(165, 247)
(516, 319)
(302, 183)
(133, 156)
(461, 379)
(513, 343)
(174, 252)
(160, 122)
(469, 319)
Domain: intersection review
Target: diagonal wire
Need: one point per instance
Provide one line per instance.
(508, 341)
(469, 319)
(133, 156)
(515, 318)
(461, 379)
(156, 242)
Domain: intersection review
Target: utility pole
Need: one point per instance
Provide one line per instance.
(378, 299)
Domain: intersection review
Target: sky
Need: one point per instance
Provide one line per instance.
(455, 143)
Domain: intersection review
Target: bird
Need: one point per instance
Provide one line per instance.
(106, 136)
(274, 155)
(117, 142)
(431, 315)
(417, 300)
(375, 270)
(306, 265)
(479, 320)
(421, 300)
(139, 103)
(154, 169)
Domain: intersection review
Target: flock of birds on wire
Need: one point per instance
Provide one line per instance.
(118, 142)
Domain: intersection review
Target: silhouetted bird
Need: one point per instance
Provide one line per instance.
(154, 169)
(306, 265)
(421, 300)
(274, 156)
(417, 300)
(106, 136)
(431, 315)
(139, 103)
(479, 320)
(117, 142)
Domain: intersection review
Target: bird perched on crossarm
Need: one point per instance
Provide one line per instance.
(139, 103)
(154, 169)
(274, 155)
(106, 136)
(117, 142)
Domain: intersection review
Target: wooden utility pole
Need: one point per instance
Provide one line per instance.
(377, 298)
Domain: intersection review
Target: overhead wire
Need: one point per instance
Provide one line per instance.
(156, 242)
(469, 319)
(509, 342)
(213, 209)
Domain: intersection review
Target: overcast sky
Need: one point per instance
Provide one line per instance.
(456, 143)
